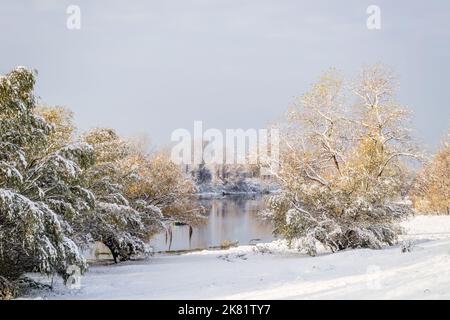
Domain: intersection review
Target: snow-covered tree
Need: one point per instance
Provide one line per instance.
(39, 186)
(61, 119)
(163, 184)
(342, 165)
(202, 175)
(61, 139)
(123, 224)
(58, 194)
(431, 191)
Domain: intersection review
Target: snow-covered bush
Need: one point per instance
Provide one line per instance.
(341, 168)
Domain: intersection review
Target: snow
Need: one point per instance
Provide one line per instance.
(272, 271)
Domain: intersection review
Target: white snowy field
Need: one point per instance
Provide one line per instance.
(243, 273)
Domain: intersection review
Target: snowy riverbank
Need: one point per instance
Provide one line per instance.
(247, 273)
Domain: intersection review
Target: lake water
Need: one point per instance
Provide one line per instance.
(230, 219)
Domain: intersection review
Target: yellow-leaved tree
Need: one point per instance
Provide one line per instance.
(342, 164)
(431, 192)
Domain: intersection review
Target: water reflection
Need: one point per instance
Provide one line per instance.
(229, 219)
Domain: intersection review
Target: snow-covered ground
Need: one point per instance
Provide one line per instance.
(246, 273)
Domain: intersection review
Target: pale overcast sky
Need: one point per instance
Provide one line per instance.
(154, 66)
